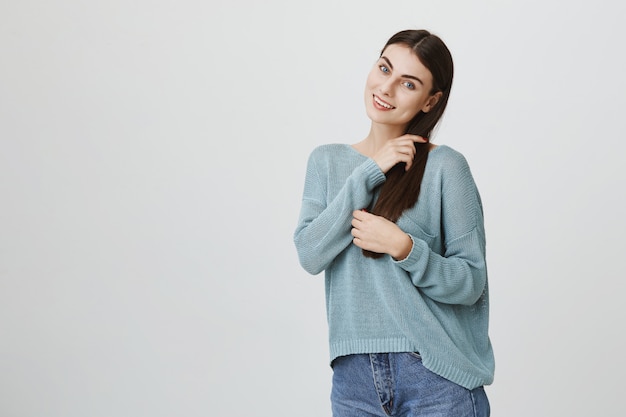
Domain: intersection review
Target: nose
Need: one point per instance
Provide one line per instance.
(386, 87)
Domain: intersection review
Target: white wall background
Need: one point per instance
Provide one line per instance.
(152, 158)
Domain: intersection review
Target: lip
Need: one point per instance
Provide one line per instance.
(381, 104)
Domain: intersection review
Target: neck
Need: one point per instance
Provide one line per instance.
(377, 137)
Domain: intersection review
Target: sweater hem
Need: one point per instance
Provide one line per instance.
(436, 365)
(456, 375)
(383, 345)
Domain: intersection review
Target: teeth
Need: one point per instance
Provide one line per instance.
(385, 105)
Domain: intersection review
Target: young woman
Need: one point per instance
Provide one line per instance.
(396, 223)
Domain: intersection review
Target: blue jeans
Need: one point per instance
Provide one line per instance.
(398, 384)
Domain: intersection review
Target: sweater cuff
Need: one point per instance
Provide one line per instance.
(373, 173)
(414, 255)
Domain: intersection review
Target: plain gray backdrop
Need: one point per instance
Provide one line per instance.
(152, 158)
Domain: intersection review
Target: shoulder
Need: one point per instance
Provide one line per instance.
(332, 153)
(451, 167)
(445, 155)
(331, 149)
(448, 162)
(461, 202)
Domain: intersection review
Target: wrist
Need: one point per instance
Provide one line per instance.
(405, 244)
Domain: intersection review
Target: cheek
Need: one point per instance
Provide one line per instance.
(411, 106)
(407, 116)
(370, 82)
(370, 87)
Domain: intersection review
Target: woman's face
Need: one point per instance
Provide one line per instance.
(398, 87)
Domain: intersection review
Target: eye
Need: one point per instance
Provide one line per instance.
(409, 85)
(384, 69)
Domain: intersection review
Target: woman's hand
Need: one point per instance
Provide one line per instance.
(377, 234)
(400, 149)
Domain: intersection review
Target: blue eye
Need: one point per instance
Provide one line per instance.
(409, 85)
(384, 69)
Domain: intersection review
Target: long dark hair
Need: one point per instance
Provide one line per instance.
(401, 189)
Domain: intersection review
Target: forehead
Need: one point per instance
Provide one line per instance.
(406, 62)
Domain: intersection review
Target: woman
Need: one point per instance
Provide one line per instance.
(396, 223)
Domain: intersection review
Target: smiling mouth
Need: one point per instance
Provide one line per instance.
(382, 103)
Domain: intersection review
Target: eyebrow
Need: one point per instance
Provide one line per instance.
(404, 75)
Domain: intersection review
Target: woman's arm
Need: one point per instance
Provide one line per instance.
(323, 229)
(457, 277)
(460, 274)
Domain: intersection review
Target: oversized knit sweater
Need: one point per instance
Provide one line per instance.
(435, 301)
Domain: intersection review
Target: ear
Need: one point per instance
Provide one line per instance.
(432, 101)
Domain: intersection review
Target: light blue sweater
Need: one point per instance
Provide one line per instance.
(435, 301)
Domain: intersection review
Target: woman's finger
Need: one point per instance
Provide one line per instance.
(419, 139)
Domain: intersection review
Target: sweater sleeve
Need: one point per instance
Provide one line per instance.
(459, 275)
(323, 229)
